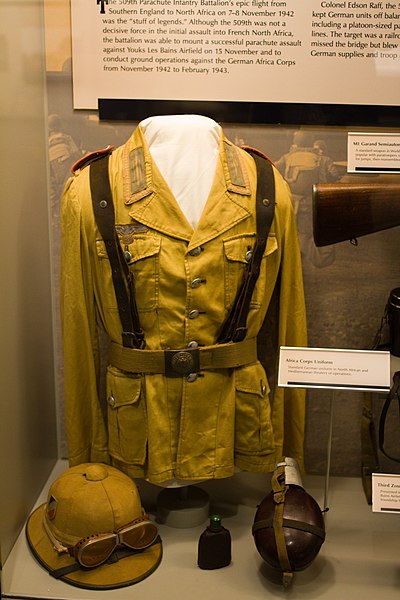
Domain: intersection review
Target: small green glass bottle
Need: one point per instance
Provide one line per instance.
(214, 550)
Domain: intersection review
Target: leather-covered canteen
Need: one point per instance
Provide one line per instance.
(288, 527)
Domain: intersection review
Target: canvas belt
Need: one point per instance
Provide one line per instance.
(184, 361)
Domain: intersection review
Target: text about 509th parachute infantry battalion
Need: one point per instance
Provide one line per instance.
(242, 38)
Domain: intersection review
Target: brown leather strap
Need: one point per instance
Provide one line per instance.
(280, 488)
(292, 524)
(234, 327)
(185, 360)
(103, 209)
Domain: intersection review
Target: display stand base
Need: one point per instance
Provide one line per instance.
(183, 507)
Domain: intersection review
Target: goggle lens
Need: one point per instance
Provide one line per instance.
(92, 552)
(139, 536)
(97, 551)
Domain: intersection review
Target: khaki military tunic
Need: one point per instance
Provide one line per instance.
(205, 425)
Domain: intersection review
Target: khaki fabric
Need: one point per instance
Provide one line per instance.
(166, 428)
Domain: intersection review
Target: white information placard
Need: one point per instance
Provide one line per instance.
(236, 50)
(373, 153)
(385, 493)
(334, 368)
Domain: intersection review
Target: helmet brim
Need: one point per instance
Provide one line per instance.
(127, 571)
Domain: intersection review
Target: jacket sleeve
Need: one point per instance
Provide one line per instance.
(85, 427)
(289, 403)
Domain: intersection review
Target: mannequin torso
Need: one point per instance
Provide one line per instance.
(185, 150)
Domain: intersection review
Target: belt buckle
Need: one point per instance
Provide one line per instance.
(181, 362)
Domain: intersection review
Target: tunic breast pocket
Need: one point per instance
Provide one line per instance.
(144, 254)
(126, 416)
(238, 251)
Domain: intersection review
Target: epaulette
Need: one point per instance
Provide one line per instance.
(256, 151)
(91, 157)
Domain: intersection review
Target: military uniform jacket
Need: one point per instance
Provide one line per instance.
(182, 428)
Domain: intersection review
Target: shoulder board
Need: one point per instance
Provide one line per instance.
(91, 157)
(251, 150)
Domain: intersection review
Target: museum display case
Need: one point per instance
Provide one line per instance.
(347, 282)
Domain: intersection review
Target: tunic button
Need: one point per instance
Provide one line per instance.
(266, 202)
(263, 389)
(193, 344)
(196, 282)
(248, 256)
(194, 314)
(195, 251)
(111, 401)
(128, 256)
(191, 377)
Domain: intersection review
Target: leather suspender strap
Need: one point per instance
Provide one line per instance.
(103, 208)
(234, 328)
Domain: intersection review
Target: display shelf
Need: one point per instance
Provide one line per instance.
(359, 559)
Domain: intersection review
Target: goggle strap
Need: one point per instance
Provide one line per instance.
(115, 557)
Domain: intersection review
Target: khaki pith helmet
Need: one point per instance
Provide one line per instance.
(86, 500)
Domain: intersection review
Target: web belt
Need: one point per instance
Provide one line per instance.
(176, 363)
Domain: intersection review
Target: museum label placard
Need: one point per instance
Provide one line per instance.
(334, 368)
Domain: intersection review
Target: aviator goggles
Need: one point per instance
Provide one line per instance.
(97, 548)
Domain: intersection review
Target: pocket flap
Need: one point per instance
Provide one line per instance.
(122, 388)
(252, 379)
(141, 247)
(237, 248)
(144, 247)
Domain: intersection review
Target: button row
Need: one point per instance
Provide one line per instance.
(192, 376)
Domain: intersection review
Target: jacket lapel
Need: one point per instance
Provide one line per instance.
(151, 202)
(229, 201)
